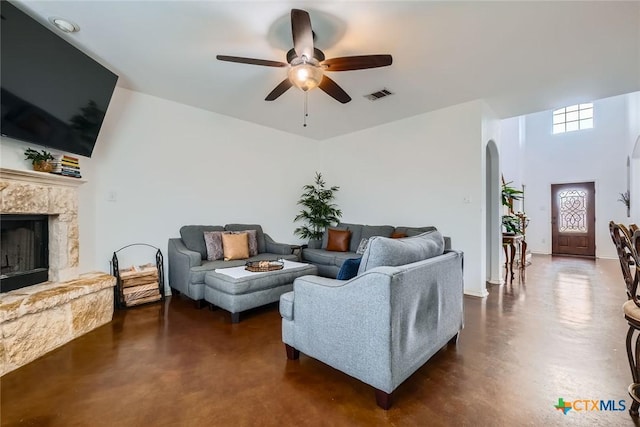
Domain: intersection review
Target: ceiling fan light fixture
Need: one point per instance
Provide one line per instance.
(305, 74)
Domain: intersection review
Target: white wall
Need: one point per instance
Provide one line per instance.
(633, 100)
(512, 156)
(598, 154)
(167, 165)
(418, 171)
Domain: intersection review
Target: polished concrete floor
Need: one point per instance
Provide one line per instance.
(558, 334)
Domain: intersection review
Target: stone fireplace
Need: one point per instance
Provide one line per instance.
(36, 319)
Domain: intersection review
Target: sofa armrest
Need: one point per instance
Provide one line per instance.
(274, 247)
(343, 323)
(181, 260)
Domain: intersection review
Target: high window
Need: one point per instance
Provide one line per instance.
(574, 117)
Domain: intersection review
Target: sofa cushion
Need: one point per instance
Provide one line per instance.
(262, 245)
(213, 242)
(377, 230)
(414, 231)
(193, 237)
(383, 251)
(349, 269)
(356, 234)
(319, 256)
(338, 240)
(235, 246)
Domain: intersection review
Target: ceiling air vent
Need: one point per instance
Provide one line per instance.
(379, 94)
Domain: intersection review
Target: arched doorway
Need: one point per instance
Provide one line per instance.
(493, 210)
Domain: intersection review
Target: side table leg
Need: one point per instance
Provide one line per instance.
(513, 255)
(506, 256)
(523, 254)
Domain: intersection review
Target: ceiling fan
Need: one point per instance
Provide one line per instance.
(307, 63)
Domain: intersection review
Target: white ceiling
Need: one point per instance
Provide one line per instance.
(520, 56)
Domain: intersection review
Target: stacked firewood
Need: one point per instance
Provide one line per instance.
(139, 285)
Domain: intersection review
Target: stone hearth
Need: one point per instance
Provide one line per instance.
(36, 319)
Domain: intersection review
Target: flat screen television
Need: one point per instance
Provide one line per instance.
(52, 94)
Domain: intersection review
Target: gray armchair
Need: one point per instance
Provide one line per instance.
(381, 326)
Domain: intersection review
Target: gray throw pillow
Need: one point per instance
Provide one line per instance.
(213, 241)
(383, 251)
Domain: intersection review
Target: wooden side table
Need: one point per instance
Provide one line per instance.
(509, 243)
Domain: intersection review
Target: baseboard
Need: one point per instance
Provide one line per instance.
(476, 294)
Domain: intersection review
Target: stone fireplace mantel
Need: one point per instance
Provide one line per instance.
(30, 192)
(36, 319)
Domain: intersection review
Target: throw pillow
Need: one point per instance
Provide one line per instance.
(382, 251)
(253, 241)
(213, 241)
(338, 240)
(362, 246)
(397, 235)
(349, 269)
(235, 246)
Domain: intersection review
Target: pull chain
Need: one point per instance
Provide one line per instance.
(306, 109)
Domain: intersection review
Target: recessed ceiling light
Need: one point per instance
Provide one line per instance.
(64, 24)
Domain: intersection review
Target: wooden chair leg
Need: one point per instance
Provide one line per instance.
(292, 353)
(383, 399)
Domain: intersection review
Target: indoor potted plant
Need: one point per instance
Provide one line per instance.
(39, 160)
(511, 222)
(318, 212)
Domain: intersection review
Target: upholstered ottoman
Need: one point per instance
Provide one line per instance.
(236, 289)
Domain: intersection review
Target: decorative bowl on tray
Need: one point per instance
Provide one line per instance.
(264, 265)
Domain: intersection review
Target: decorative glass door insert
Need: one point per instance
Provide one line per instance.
(573, 211)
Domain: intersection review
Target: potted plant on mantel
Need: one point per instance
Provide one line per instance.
(318, 211)
(39, 160)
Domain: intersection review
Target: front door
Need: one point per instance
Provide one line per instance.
(573, 219)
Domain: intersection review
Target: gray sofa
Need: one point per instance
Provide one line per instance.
(188, 257)
(329, 262)
(405, 303)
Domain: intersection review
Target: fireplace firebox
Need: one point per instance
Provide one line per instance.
(24, 250)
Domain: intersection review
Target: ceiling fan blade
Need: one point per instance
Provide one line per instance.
(348, 63)
(302, 33)
(279, 90)
(333, 90)
(252, 61)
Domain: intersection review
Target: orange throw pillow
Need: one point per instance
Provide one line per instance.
(338, 240)
(398, 235)
(235, 246)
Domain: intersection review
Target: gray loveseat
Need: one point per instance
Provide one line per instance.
(188, 257)
(405, 303)
(329, 262)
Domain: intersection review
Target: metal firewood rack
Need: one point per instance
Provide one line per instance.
(121, 290)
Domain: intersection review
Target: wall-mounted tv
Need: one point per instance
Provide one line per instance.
(52, 94)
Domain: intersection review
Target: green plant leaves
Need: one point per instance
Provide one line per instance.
(318, 211)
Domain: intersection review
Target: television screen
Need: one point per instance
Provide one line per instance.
(52, 94)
